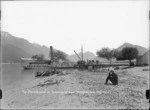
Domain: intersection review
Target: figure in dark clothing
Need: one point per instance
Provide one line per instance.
(112, 77)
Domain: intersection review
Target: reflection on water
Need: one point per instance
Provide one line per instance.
(13, 75)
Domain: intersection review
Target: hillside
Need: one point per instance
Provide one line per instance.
(141, 49)
(91, 56)
(86, 55)
(13, 48)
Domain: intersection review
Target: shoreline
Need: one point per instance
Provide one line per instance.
(47, 92)
(16, 85)
(14, 75)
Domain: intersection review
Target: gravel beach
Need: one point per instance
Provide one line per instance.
(77, 89)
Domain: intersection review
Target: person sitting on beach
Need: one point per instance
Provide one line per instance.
(112, 77)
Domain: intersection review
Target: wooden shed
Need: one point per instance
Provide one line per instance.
(143, 59)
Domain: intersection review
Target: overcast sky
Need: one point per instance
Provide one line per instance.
(66, 25)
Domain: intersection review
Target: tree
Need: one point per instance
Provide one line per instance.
(38, 56)
(128, 53)
(107, 53)
(57, 55)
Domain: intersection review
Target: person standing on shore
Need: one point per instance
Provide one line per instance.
(112, 76)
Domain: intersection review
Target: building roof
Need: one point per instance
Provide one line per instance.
(146, 52)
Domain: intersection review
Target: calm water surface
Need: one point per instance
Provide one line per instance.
(14, 75)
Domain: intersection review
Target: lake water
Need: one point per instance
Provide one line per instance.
(14, 75)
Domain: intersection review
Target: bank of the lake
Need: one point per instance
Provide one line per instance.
(82, 89)
(14, 75)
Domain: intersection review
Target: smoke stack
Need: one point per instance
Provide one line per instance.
(51, 53)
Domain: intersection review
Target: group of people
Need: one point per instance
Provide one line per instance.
(92, 62)
(88, 62)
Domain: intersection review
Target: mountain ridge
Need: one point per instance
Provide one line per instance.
(140, 49)
(13, 48)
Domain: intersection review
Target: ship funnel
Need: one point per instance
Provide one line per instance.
(51, 53)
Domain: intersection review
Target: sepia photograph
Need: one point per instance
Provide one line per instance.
(74, 54)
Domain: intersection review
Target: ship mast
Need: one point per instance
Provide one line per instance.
(82, 52)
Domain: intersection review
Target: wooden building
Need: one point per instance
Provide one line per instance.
(143, 59)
